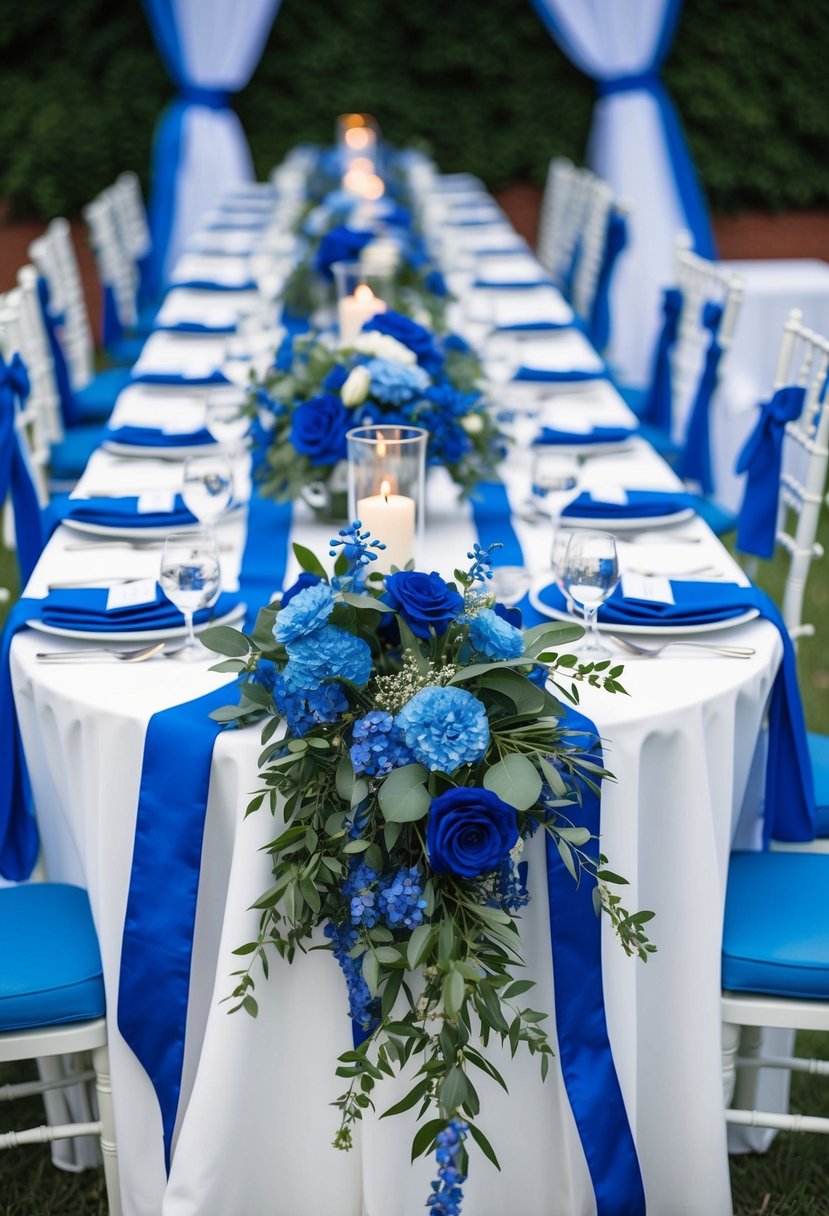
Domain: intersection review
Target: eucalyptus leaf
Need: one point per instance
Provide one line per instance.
(225, 640)
(515, 780)
(309, 561)
(403, 796)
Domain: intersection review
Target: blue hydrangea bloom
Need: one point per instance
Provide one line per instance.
(396, 383)
(362, 1008)
(360, 889)
(304, 709)
(328, 652)
(400, 899)
(444, 728)
(378, 745)
(265, 674)
(306, 611)
(495, 637)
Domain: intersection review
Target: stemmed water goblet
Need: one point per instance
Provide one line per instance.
(226, 418)
(589, 574)
(190, 577)
(207, 488)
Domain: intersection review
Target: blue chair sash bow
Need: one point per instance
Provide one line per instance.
(695, 462)
(657, 411)
(15, 476)
(615, 242)
(52, 322)
(760, 460)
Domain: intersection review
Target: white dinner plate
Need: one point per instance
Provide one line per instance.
(136, 635)
(81, 525)
(629, 525)
(142, 452)
(650, 628)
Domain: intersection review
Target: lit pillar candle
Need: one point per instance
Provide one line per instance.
(354, 311)
(391, 519)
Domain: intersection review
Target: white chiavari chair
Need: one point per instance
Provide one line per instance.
(551, 222)
(131, 215)
(116, 270)
(29, 419)
(78, 343)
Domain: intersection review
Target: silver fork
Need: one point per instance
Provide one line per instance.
(105, 655)
(652, 652)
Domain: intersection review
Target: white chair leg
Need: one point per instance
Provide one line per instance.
(730, 1044)
(103, 1088)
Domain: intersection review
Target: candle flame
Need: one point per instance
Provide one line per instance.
(381, 448)
(385, 489)
(363, 293)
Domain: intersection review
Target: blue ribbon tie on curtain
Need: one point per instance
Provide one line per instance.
(615, 241)
(761, 460)
(695, 461)
(213, 99)
(584, 1047)
(658, 408)
(157, 943)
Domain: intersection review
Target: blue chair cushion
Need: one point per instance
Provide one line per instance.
(96, 399)
(68, 458)
(819, 756)
(50, 971)
(126, 350)
(776, 931)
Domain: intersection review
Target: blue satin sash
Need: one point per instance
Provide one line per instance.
(658, 408)
(615, 241)
(157, 943)
(695, 461)
(51, 321)
(761, 459)
(584, 1047)
(19, 840)
(15, 475)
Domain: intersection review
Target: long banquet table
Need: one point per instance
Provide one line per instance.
(254, 1126)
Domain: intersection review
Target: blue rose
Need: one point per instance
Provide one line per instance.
(305, 580)
(341, 244)
(423, 600)
(418, 339)
(318, 429)
(470, 831)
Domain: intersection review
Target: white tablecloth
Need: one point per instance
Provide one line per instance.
(255, 1124)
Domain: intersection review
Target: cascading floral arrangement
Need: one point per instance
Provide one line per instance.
(423, 745)
(397, 373)
(335, 231)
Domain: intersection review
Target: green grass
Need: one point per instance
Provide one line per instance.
(792, 1179)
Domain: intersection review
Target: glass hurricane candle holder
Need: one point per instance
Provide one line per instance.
(386, 489)
(361, 293)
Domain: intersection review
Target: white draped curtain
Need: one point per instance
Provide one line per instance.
(210, 48)
(637, 145)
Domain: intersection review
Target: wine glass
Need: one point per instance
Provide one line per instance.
(589, 575)
(207, 488)
(554, 478)
(191, 579)
(225, 416)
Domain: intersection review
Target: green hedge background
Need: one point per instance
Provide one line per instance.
(480, 80)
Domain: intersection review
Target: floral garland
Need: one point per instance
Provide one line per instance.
(423, 745)
(397, 373)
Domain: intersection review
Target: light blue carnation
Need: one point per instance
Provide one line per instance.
(307, 610)
(444, 728)
(326, 653)
(495, 637)
(396, 383)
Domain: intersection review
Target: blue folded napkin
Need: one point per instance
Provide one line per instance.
(195, 327)
(641, 504)
(532, 327)
(154, 437)
(557, 375)
(790, 797)
(212, 285)
(178, 379)
(124, 513)
(84, 610)
(600, 434)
